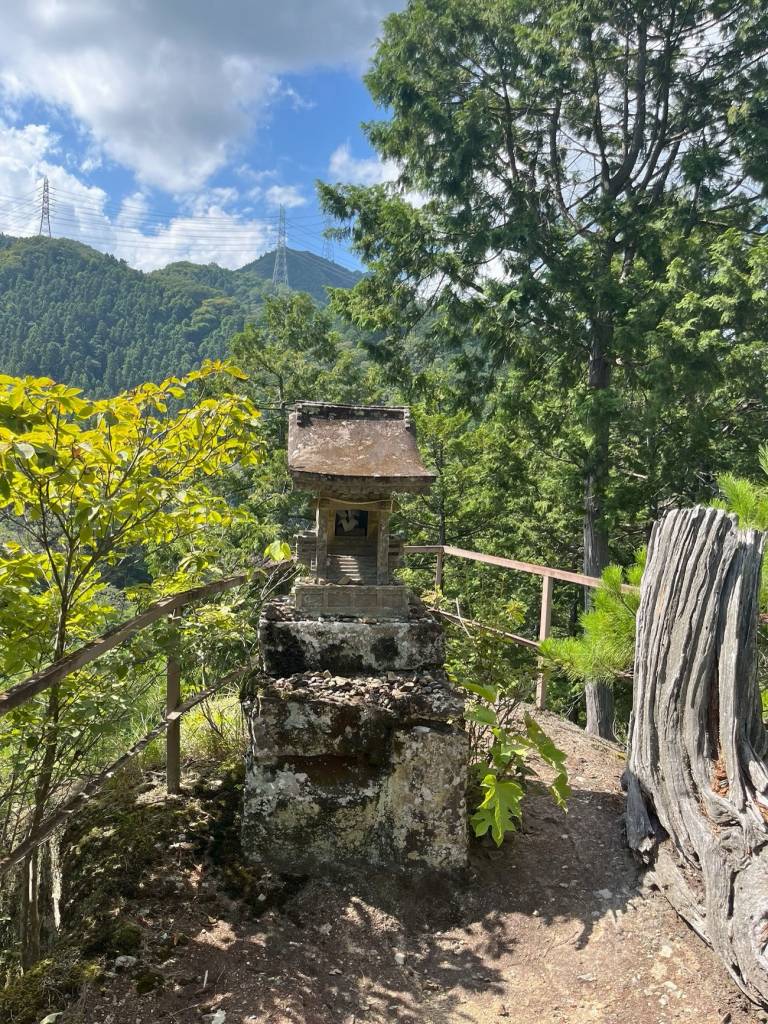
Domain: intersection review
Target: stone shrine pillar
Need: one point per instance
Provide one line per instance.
(321, 520)
(382, 550)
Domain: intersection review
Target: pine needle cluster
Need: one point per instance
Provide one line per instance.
(606, 646)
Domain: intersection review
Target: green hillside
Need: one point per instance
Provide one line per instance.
(88, 319)
(306, 273)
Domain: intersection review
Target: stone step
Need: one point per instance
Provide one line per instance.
(357, 568)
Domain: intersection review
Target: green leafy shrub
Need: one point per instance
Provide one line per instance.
(501, 743)
(503, 766)
(214, 731)
(749, 501)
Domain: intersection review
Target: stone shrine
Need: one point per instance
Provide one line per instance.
(353, 460)
(357, 749)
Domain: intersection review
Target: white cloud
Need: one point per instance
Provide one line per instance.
(359, 171)
(347, 169)
(284, 195)
(23, 153)
(92, 161)
(168, 88)
(207, 232)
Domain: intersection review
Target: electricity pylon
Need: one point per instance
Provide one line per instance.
(45, 211)
(280, 273)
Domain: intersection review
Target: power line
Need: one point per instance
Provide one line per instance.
(118, 241)
(87, 206)
(120, 217)
(23, 195)
(136, 246)
(328, 243)
(340, 269)
(145, 212)
(88, 222)
(308, 240)
(89, 225)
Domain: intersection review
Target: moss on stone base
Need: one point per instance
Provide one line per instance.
(46, 987)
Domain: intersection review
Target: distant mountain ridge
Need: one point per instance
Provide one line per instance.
(307, 272)
(87, 319)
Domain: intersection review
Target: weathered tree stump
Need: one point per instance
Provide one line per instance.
(697, 774)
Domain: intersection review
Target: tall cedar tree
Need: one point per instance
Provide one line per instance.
(575, 165)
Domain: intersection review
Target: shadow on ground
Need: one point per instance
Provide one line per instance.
(550, 929)
(375, 947)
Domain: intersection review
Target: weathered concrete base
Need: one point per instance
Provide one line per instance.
(292, 643)
(381, 602)
(355, 770)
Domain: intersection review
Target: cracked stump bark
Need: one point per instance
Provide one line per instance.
(697, 772)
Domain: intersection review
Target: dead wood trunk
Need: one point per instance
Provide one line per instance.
(697, 774)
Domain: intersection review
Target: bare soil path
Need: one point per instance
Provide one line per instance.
(552, 928)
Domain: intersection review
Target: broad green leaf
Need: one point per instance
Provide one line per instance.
(480, 714)
(500, 810)
(278, 551)
(487, 692)
(26, 451)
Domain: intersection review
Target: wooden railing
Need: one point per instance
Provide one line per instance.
(548, 577)
(170, 607)
(175, 708)
(167, 606)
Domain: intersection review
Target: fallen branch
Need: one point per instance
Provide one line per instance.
(459, 620)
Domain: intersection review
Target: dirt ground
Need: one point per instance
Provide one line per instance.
(551, 928)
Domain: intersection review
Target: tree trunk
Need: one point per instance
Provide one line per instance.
(596, 467)
(30, 925)
(599, 696)
(697, 774)
(600, 710)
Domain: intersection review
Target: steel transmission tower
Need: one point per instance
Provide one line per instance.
(280, 273)
(328, 243)
(45, 211)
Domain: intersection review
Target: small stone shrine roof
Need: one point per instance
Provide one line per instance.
(343, 445)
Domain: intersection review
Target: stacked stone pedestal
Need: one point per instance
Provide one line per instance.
(358, 755)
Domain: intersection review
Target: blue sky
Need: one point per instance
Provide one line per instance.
(174, 129)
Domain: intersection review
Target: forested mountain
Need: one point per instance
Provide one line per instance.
(306, 273)
(88, 319)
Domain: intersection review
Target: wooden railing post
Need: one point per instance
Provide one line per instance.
(172, 701)
(545, 623)
(439, 569)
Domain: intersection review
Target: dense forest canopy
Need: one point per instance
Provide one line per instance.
(90, 320)
(590, 224)
(592, 211)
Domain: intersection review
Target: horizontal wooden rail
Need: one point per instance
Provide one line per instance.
(59, 670)
(89, 789)
(548, 576)
(511, 563)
